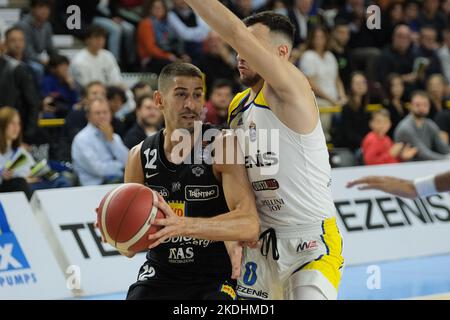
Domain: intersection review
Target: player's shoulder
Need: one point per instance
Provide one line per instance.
(236, 100)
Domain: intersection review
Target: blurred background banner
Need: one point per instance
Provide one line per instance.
(68, 217)
(28, 269)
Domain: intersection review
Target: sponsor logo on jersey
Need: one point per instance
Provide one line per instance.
(201, 193)
(198, 171)
(273, 205)
(307, 246)
(176, 186)
(184, 241)
(161, 190)
(181, 255)
(252, 292)
(179, 207)
(269, 184)
(149, 176)
(226, 288)
(261, 160)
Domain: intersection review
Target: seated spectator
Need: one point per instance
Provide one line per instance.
(427, 61)
(444, 54)
(59, 86)
(10, 149)
(430, 15)
(378, 148)
(339, 47)
(148, 121)
(120, 31)
(38, 33)
(94, 63)
(442, 119)
(420, 132)
(395, 103)
(139, 89)
(18, 90)
(116, 99)
(216, 109)
(354, 118)
(320, 67)
(219, 62)
(158, 44)
(98, 154)
(393, 17)
(436, 89)
(190, 28)
(399, 58)
(131, 10)
(411, 10)
(299, 15)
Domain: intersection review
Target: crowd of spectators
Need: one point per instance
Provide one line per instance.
(382, 93)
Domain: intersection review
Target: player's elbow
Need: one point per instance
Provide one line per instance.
(251, 233)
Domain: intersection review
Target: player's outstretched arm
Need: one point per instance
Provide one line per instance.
(289, 84)
(420, 187)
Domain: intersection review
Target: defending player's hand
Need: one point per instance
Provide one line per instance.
(234, 250)
(172, 223)
(395, 186)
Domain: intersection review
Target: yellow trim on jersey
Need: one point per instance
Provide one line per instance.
(235, 102)
(330, 264)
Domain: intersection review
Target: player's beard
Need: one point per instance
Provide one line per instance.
(250, 81)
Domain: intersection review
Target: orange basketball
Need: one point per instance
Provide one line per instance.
(125, 216)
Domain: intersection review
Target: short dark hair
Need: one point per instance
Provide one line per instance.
(85, 89)
(141, 99)
(140, 85)
(419, 93)
(114, 91)
(220, 83)
(95, 31)
(177, 69)
(56, 60)
(41, 3)
(13, 29)
(275, 22)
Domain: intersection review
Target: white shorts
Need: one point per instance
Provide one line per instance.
(308, 256)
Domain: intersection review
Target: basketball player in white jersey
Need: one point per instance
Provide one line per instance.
(300, 255)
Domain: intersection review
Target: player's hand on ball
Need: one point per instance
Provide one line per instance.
(172, 224)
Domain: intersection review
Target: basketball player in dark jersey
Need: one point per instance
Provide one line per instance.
(212, 201)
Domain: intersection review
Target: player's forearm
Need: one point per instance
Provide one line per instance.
(219, 18)
(232, 226)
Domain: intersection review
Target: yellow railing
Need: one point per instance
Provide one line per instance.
(50, 123)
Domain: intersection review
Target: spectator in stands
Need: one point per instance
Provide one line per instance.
(116, 100)
(139, 89)
(395, 102)
(278, 6)
(399, 58)
(420, 132)
(444, 54)
(299, 16)
(354, 118)
(427, 55)
(10, 149)
(394, 16)
(38, 33)
(59, 86)
(99, 155)
(320, 67)
(148, 121)
(158, 45)
(219, 62)
(18, 90)
(94, 63)
(411, 17)
(76, 120)
(190, 28)
(431, 16)
(216, 109)
(339, 47)
(442, 119)
(378, 148)
(120, 31)
(131, 10)
(436, 87)
(242, 8)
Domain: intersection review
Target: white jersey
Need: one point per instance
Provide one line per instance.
(290, 174)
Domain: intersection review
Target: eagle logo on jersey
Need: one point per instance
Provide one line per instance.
(198, 171)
